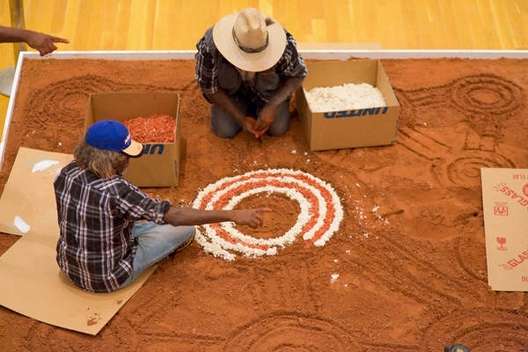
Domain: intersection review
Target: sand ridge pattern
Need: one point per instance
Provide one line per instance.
(290, 332)
(461, 168)
(474, 96)
(409, 255)
(484, 330)
(67, 97)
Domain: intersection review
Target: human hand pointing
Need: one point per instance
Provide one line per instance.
(44, 43)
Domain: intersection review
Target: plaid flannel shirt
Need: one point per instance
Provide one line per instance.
(95, 247)
(208, 60)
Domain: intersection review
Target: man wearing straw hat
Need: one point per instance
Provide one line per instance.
(247, 67)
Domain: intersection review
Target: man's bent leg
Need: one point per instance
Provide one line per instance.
(156, 242)
(223, 124)
(282, 120)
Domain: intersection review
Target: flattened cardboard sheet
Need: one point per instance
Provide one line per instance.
(30, 281)
(505, 200)
(28, 194)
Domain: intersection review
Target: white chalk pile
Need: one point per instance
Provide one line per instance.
(344, 97)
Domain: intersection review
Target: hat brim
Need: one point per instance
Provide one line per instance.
(251, 62)
(134, 149)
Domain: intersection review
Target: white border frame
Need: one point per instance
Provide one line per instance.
(189, 55)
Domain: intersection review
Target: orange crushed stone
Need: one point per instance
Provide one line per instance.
(152, 129)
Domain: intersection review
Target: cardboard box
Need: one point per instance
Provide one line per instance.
(352, 128)
(505, 201)
(160, 163)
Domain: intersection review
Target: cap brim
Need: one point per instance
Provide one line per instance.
(134, 149)
(251, 62)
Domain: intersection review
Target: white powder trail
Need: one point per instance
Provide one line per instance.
(43, 165)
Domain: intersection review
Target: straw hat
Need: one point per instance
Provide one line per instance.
(249, 41)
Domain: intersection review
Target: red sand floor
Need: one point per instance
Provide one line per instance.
(412, 276)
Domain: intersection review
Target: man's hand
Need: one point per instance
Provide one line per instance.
(250, 125)
(251, 217)
(44, 43)
(265, 119)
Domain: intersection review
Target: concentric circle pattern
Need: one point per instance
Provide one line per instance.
(465, 170)
(486, 94)
(320, 214)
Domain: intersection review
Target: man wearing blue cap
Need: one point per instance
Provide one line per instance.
(104, 245)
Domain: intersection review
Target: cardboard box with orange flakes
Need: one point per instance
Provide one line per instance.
(159, 165)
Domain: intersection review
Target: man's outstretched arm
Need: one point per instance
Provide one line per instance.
(189, 216)
(44, 43)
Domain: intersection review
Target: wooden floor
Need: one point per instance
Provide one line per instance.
(178, 24)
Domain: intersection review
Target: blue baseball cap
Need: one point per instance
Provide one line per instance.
(112, 135)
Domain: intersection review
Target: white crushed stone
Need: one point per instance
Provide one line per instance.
(43, 165)
(206, 235)
(348, 96)
(21, 224)
(334, 277)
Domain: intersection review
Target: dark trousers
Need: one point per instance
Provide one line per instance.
(266, 83)
(225, 126)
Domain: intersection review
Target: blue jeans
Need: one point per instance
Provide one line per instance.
(266, 83)
(155, 242)
(226, 126)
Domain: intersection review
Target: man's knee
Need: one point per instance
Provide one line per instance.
(278, 129)
(181, 231)
(223, 124)
(188, 231)
(282, 121)
(176, 236)
(223, 132)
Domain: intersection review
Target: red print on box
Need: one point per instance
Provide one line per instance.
(525, 189)
(512, 194)
(502, 243)
(516, 261)
(500, 209)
